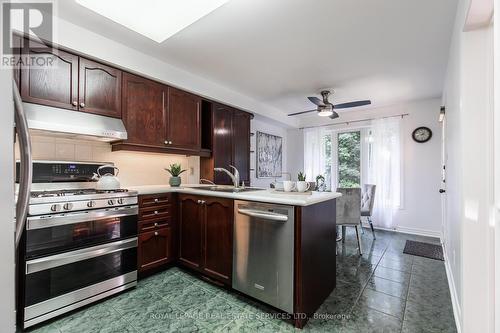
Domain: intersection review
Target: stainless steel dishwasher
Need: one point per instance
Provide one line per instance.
(263, 252)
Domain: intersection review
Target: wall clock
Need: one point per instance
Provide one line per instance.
(422, 134)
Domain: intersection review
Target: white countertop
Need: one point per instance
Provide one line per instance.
(267, 195)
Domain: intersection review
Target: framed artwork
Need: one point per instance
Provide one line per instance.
(269, 155)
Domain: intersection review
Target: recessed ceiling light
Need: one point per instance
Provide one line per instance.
(155, 19)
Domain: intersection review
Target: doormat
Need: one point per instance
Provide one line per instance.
(427, 250)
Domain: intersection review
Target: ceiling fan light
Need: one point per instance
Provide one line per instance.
(325, 113)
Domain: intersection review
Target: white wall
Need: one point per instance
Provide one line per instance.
(7, 318)
(421, 163)
(469, 223)
(268, 126)
(295, 156)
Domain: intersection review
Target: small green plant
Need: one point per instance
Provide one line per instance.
(301, 177)
(175, 170)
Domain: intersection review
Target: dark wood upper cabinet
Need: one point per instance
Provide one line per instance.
(241, 144)
(222, 143)
(55, 83)
(218, 238)
(100, 89)
(183, 121)
(190, 231)
(230, 130)
(143, 110)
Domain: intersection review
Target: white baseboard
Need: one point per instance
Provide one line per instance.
(457, 313)
(405, 230)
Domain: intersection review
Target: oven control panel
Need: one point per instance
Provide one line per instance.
(53, 172)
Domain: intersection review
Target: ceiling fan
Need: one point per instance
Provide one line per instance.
(327, 109)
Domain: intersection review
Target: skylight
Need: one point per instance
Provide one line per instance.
(155, 19)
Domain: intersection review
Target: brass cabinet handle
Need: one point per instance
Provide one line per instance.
(82, 105)
(156, 233)
(75, 103)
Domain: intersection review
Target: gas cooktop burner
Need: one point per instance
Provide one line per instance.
(64, 193)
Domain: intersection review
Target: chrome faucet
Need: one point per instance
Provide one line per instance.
(234, 177)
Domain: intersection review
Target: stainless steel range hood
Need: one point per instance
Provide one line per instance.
(72, 124)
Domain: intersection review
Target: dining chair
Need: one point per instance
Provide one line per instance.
(367, 201)
(349, 212)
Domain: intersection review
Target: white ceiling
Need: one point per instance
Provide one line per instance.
(280, 51)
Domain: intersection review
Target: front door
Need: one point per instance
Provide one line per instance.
(442, 189)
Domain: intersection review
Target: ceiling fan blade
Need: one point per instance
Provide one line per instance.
(352, 104)
(302, 112)
(334, 115)
(315, 100)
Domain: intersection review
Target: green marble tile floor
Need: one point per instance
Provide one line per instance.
(382, 291)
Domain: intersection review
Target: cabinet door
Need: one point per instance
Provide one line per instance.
(100, 89)
(53, 81)
(183, 124)
(143, 113)
(218, 238)
(190, 230)
(222, 148)
(154, 248)
(241, 144)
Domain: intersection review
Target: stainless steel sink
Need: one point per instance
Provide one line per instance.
(227, 189)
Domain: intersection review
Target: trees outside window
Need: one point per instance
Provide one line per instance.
(349, 159)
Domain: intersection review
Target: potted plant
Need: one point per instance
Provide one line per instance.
(175, 170)
(302, 185)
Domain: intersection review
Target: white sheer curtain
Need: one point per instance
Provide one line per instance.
(385, 169)
(314, 153)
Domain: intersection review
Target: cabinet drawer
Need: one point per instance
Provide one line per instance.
(155, 200)
(154, 224)
(155, 212)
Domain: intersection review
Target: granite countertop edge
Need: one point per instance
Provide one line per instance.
(267, 195)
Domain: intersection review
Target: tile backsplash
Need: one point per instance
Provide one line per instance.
(136, 168)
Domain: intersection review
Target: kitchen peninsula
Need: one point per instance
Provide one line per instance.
(203, 226)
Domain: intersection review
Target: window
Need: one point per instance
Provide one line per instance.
(349, 159)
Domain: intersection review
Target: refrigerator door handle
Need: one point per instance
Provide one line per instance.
(26, 166)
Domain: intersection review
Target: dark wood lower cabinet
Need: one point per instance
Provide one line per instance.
(154, 248)
(218, 238)
(157, 231)
(206, 235)
(190, 229)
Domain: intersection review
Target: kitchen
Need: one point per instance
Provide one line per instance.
(87, 237)
(167, 179)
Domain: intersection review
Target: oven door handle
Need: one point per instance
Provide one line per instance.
(40, 222)
(37, 265)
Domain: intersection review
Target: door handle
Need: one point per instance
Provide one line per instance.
(442, 190)
(26, 165)
(57, 260)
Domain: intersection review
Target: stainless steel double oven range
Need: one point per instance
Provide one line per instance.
(79, 244)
